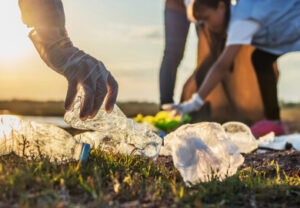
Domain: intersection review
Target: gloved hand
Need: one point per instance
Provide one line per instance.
(194, 104)
(97, 83)
(80, 69)
(56, 49)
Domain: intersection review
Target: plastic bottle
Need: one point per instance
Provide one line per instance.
(33, 140)
(122, 134)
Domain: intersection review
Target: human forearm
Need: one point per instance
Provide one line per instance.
(56, 49)
(49, 35)
(79, 68)
(218, 70)
(214, 76)
(42, 13)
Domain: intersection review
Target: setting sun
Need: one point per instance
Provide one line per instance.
(13, 37)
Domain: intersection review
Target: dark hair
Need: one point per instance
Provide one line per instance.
(198, 5)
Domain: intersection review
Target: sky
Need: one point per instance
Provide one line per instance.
(127, 36)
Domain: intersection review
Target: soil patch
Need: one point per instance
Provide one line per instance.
(288, 161)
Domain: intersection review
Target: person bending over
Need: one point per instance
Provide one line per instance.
(272, 26)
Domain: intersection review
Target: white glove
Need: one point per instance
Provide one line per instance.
(194, 104)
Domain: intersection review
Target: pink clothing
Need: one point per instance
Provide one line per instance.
(264, 127)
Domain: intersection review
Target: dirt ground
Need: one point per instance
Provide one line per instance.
(288, 161)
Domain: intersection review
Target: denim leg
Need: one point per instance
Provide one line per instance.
(176, 30)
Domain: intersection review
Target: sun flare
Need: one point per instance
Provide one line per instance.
(13, 36)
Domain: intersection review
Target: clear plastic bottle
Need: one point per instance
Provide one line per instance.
(123, 133)
(31, 140)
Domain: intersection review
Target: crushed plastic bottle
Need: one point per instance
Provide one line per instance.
(202, 152)
(118, 143)
(241, 135)
(114, 131)
(33, 140)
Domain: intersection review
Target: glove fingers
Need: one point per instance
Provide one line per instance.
(101, 91)
(112, 94)
(178, 113)
(71, 94)
(87, 104)
(175, 112)
(175, 109)
(182, 117)
(168, 107)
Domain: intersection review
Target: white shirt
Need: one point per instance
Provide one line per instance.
(241, 32)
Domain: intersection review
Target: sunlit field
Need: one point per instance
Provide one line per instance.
(107, 180)
(129, 39)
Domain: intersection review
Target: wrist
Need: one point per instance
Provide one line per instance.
(187, 2)
(198, 101)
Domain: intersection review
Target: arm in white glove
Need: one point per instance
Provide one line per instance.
(214, 76)
(194, 104)
(56, 49)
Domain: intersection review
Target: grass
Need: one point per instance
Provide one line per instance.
(107, 180)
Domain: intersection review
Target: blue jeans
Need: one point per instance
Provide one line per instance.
(176, 31)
